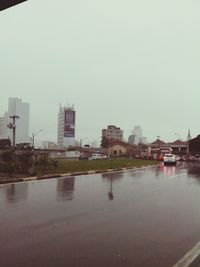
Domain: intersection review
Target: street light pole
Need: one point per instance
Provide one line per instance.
(33, 139)
(12, 126)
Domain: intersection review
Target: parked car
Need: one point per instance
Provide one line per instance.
(96, 156)
(83, 157)
(169, 159)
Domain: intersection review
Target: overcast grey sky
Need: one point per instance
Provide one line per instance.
(120, 62)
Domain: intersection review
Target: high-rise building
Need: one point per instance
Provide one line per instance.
(66, 127)
(136, 136)
(113, 133)
(16, 107)
(1, 128)
(131, 139)
(4, 131)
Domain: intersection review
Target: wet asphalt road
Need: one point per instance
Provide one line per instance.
(147, 217)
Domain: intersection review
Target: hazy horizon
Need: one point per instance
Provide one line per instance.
(121, 63)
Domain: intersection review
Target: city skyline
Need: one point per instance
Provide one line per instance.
(15, 104)
(124, 65)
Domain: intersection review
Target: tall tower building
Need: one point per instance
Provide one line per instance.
(66, 127)
(189, 135)
(19, 108)
(136, 136)
(3, 126)
(137, 132)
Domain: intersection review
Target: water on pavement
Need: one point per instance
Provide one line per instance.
(148, 217)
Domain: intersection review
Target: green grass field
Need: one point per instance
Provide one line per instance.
(68, 166)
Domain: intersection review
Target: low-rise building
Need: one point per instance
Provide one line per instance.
(121, 149)
(159, 148)
(117, 149)
(49, 145)
(179, 147)
(194, 146)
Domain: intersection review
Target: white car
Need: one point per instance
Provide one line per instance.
(96, 156)
(169, 159)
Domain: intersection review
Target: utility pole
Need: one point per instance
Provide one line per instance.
(12, 126)
(33, 140)
(80, 146)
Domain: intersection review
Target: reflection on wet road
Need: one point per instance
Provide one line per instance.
(136, 218)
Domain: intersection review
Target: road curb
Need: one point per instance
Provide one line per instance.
(51, 176)
(11, 181)
(189, 258)
(30, 178)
